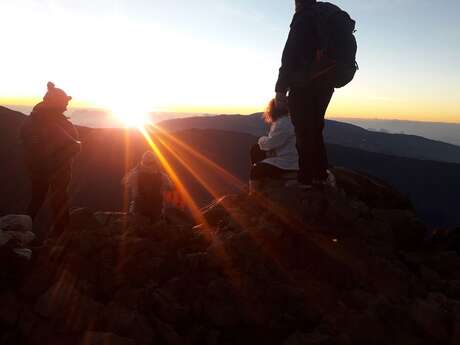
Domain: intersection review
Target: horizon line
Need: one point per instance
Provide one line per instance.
(247, 113)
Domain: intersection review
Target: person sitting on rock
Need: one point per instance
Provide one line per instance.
(275, 155)
(50, 144)
(145, 186)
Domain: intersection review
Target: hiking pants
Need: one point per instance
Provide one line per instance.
(308, 106)
(56, 187)
(263, 170)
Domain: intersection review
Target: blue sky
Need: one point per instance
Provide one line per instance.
(223, 55)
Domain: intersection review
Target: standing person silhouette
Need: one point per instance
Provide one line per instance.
(50, 144)
(307, 94)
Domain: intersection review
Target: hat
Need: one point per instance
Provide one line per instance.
(149, 159)
(55, 95)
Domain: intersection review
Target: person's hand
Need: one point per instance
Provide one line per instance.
(281, 100)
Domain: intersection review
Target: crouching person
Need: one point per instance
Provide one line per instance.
(50, 144)
(275, 155)
(145, 185)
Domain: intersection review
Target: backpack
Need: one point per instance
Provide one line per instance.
(149, 202)
(336, 56)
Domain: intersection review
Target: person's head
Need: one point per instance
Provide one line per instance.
(56, 98)
(149, 160)
(275, 112)
(300, 4)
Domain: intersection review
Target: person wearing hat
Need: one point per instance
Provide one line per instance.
(50, 143)
(145, 185)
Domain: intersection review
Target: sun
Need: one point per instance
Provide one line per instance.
(131, 116)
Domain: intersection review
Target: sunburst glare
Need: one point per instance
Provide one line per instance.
(129, 116)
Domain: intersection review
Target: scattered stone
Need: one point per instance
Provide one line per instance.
(96, 338)
(23, 238)
(431, 320)
(128, 323)
(453, 289)
(5, 237)
(325, 267)
(107, 218)
(20, 223)
(9, 309)
(299, 338)
(67, 306)
(23, 253)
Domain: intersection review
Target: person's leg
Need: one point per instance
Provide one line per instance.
(259, 173)
(320, 164)
(257, 154)
(60, 198)
(262, 171)
(39, 191)
(301, 107)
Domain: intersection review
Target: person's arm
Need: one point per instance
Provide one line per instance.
(299, 51)
(279, 134)
(130, 183)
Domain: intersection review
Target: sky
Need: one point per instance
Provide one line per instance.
(222, 56)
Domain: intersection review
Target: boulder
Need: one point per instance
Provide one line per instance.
(408, 231)
(23, 253)
(299, 338)
(322, 267)
(99, 338)
(374, 192)
(128, 323)
(107, 218)
(10, 309)
(82, 219)
(431, 319)
(20, 223)
(5, 238)
(67, 306)
(22, 238)
(453, 289)
(167, 333)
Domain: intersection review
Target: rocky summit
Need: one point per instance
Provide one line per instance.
(351, 265)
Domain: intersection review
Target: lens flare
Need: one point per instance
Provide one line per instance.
(129, 116)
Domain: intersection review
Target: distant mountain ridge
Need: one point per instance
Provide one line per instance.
(338, 133)
(433, 187)
(442, 131)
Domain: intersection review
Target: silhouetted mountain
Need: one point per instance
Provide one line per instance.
(433, 187)
(339, 133)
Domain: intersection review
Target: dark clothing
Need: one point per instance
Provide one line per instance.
(308, 106)
(309, 92)
(50, 143)
(50, 140)
(262, 171)
(56, 187)
(149, 199)
(299, 52)
(257, 155)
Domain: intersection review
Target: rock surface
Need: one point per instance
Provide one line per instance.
(345, 266)
(15, 236)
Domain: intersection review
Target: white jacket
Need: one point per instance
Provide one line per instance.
(280, 145)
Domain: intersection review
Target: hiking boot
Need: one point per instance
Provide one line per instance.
(330, 181)
(298, 185)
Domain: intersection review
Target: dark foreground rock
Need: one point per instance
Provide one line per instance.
(346, 266)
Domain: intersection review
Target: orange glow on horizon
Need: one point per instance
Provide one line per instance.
(340, 107)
